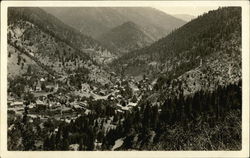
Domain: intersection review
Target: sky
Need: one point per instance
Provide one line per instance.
(195, 11)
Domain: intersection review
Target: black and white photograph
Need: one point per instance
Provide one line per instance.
(124, 78)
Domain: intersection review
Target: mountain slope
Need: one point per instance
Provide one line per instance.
(198, 73)
(96, 21)
(208, 47)
(51, 45)
(51, 25)
(126, 37)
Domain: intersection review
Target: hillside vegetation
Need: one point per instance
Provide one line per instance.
(183, 92)
(58, 30)
(53, 46)
(125, 38)
(207, 50)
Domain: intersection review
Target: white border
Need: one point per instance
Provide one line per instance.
(139, 154)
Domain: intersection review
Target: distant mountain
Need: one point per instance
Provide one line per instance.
(40, 41)
(97, 21)
(125, 38)
(194, 67)
(59, 30)
(185, 17)
(203, 53)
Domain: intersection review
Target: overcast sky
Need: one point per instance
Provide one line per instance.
(195, 11)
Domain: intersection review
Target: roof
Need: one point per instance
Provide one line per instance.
(132, 104)
(39, 102)
(17, 103)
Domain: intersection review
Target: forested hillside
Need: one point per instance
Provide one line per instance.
(125, 38)
(51, 25)
(58, 30)
(204, 121)
(52, 46)
(206, 50)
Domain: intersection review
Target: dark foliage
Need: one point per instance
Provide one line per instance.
(201, 37)
(210, 110)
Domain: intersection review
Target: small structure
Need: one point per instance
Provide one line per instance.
(40, 105)
(74, 147)
(84, 103)
(77, 107)
(10, 100)
(42, 79)
(32, 54)
(16, 104)
(38, 86)
(131, 104)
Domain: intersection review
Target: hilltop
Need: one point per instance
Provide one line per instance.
(207, 48)
(125, 38)
(95, 21)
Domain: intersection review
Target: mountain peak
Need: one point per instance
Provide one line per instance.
(125, 37)
(95, 21)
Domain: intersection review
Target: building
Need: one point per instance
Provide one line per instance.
(38, 86)
(42, 79)
(41, 105)
(83, 104)
(16, 104)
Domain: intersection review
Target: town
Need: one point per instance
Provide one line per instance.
(47, 98)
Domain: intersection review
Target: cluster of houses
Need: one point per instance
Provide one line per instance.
(55, 104)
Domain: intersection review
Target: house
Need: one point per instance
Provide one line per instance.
(66, 110)
(57, 106)
(83, 104)
(38, 86)
(16, 104)
(31, 89)
(40, 105)
(130, 104)
(42, 79)
(10, 100)
(87, 111)
(31, 105)
(119, 96)
(32, 54)
(39, 102)
(118, 110)
(77, 107)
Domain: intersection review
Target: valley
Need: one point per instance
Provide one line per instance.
(128, 85)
